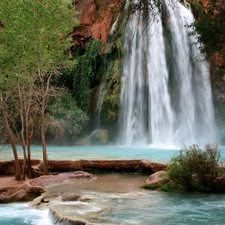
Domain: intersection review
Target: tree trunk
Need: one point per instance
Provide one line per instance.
(43, 141)
(12, 141)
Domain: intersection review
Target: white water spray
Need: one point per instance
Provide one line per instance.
(165, 88)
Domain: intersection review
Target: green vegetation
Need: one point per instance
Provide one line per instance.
(34, 37)
(209, 27)
(151, 186)
(165, 186)
(83, 73)
(64, 118)
(194, 169)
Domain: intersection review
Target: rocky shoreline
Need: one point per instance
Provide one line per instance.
(62, 170)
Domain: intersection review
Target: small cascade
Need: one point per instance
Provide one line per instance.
(101, 94)
(165, 87)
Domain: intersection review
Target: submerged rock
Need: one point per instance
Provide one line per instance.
(99, 137)
(86, 198)
(70, 197)
(33, 188)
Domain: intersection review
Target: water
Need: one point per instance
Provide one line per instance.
(118, 199)
(153, 153)
(23, 214)
(165, 88)
(166, 101)
(101, 94)
(139, 208)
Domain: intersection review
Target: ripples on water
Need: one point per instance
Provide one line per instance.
(136, 207)
(142, 208)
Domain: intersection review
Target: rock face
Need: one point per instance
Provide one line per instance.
(35, 187)
(56, 166)
(95, 18)
(106, 165)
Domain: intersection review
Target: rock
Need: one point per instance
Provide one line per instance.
(20, 193)
(7, 167)
(48, 198)
(154, 166)
(64, 165)
(95, 20)
(86, 198)
(42, 202)
(55, 179)
(70, 197)
(60, 216)
(112, 165)
(35, 187)
(155, 178)
(36, 202)
(99, 137)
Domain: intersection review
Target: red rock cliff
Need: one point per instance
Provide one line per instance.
(96, 17)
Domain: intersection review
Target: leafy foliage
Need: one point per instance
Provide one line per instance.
(196, 169)
(34, 37)
(83, 73)
(64, 117)
(209, 27)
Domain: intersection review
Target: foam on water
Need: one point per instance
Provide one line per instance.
(23, 214)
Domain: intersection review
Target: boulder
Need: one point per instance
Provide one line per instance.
(20, 193)
(70, 197)
(155, 178)
(86, 198)
(99, 137)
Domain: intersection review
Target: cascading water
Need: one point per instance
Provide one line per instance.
(165, 88)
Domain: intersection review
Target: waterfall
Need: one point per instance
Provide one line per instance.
(101, 94)
(165, 88)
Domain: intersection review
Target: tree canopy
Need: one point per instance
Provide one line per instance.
(210, 27)
(34, 41)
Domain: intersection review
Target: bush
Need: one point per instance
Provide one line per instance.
(196, 169)
(151, 186)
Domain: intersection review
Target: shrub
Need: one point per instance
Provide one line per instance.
(151, 186)
(196, 169)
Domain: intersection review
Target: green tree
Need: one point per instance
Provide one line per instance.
(34, 37)
(210, 27)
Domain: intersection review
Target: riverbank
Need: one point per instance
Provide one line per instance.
(61, 171)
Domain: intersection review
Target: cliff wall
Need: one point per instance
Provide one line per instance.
(96, 17)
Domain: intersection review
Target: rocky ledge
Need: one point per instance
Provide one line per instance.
(33, 188)
(30, 189)
(59, 166)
